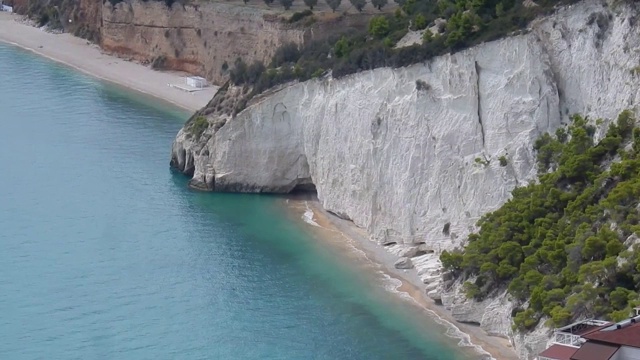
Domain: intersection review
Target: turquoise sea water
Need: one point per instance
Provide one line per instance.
(105, 253)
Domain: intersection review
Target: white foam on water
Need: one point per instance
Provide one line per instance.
(393, 285)
(308, 216)
(355, 249)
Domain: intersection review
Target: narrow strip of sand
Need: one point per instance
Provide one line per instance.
(343, 234)
(88, 58)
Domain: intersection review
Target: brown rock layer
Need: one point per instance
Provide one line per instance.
(202, 38)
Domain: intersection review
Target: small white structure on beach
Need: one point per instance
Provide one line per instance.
(4, 7)
(195, 81)
(191, 84)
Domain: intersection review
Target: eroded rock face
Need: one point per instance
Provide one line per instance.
(418, 165)
(493, 315)
(197, 38)
(398, 161)
(204, 38)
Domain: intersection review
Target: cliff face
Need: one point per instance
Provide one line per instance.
(194, 38)
(200, 38)
(79, 17)
(413, 154)
(398, 161)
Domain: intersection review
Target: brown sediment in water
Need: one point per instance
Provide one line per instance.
(353, 243)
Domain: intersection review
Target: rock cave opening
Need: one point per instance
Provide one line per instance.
(304, 188)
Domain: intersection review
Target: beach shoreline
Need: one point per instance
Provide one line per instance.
(333, 231)
(87, 58)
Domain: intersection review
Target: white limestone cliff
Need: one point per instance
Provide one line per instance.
(419, 167)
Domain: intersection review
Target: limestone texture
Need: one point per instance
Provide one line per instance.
(420, 167)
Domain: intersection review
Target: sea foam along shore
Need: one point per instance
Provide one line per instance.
(87, 58)
(337, 232)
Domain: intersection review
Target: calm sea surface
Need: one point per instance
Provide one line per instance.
(105, 254)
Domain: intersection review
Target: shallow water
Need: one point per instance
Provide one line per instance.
(105, 253)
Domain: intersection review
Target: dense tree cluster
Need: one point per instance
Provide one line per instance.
(566, 243)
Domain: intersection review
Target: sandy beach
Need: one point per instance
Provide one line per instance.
(87, 58)
(354, 243)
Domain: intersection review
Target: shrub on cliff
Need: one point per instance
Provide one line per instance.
(287, 53)
(379, 26)
(341, 49)
(420, 22)
(198, 125)
(566, 243)
(159, 63)
(46, 13)
(297, 16)
(242, 73)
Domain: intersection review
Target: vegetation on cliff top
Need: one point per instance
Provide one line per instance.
(462, 23)
(565, 244)
(198, 125)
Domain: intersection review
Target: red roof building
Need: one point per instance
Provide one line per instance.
(567, 340)
(628, 335)
(596, 340)
(595, 351)
(558, 352)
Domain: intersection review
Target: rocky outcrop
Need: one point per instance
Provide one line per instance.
(418, 165)
(492, 314)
